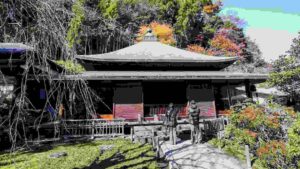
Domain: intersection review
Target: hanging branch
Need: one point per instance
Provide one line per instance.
(44, 25)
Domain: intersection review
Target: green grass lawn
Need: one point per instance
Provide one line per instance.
(82, 155)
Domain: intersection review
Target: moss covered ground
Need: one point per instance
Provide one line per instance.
(124, 154)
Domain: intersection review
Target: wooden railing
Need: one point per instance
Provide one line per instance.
(92, 127)
(160, 110)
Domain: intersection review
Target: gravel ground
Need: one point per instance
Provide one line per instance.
(184, 155)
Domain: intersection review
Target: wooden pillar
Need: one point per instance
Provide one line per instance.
(123, 127)
(248, 90)
(228, 93)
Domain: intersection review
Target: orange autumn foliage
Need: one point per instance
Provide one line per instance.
(291, 112)
(202, 50)
(209, 9)
(251, 133)
(250, 113)
(276, 114)
(163, 32)
(271, 148)
(221, 42)
(196, 48)
(225, 112)
(273, 122)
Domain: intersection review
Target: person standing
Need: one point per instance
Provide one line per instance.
(172, 122)
(194, 117)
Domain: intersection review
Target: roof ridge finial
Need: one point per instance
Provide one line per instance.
(149, 36)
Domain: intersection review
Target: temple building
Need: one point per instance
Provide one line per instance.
(142, 79)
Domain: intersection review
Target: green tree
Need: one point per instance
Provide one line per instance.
(286, 71)
(75, 24)
(295, 47)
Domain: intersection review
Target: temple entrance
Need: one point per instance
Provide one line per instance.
(104, 105)
(128, 101)
(157, 96)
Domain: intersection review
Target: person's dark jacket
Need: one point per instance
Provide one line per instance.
(194, 115)
(171, 117)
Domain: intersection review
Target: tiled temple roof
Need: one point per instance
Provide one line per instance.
(153, 53)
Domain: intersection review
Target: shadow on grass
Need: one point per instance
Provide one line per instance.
(3, 164)
(135, 148)
(8, 158)
(113, 160)
(119, 158)
(135, 154)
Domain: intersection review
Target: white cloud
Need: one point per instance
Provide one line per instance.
(272, 43)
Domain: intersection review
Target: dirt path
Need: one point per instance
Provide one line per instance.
(184, 155)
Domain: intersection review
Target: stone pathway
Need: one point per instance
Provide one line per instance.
(184, 155)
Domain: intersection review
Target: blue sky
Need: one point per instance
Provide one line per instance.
(272, 14)
(288, 6)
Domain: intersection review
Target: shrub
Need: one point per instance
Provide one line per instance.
(293, 145)
(272, 154)
(263, 129)
(70, 66)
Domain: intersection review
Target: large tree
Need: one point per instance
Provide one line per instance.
(44, 25)
(286, 71)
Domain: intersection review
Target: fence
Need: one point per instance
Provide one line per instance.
(216, 126)
(92, 127)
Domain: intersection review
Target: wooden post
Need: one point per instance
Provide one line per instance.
(61, 129)
(123, 127)
(153, 138)
(131, 133)
(204, 128)
(139, 118)
(93, 129)
(219, 134)
(247, 156)
(157, 147)
(223, 124)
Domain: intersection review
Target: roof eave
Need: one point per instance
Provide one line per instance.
(134, 75)
(16, 45)
(229, 59)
